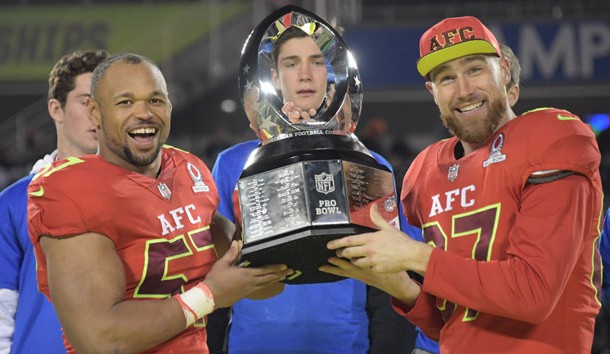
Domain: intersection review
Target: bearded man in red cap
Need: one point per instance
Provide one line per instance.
(510, 209)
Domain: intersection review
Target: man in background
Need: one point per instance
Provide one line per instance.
(28, 322)
(336, 317)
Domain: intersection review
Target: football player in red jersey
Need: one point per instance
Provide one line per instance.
(127, 240)
(510, 208)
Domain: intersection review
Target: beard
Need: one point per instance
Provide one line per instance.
(141, 160)
(479, 131)
(122, 150)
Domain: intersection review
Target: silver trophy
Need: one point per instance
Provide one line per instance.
(311, 180)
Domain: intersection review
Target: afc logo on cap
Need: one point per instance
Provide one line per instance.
(449, 37)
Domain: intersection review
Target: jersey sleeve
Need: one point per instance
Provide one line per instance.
(412, 231)
(423, 314)
(13, 201)
(408, 194)
(52, 212)
(226, 172)
(568, 144)
(604, 249)
(225, 185)
(528, 284)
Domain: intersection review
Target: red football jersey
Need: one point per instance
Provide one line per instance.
(160, 226)
(516, 266)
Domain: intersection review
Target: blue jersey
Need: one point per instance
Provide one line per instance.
(37, 329)
(305, 318)
(604, 250)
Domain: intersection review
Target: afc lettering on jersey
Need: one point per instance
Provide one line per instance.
(173, 220)
(451, 197)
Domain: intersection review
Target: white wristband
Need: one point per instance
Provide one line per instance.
(196, 302)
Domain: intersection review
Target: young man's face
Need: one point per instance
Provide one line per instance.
(301, 73)
(78, 135)
(133, 110)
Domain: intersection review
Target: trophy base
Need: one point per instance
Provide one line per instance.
(304, 252)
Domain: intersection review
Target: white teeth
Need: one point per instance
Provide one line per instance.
(472, 107)
(143, 131)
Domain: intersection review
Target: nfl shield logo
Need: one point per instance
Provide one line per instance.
(453, 172)
(325, 183)
(164, 190)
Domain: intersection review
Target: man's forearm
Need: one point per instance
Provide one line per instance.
(8, 307)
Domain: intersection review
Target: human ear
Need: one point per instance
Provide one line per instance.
(93, 113)
(430, 87)
(55, 110)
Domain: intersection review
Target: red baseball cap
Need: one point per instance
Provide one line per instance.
(453, 38)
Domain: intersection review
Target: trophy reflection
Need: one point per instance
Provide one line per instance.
(311, 180)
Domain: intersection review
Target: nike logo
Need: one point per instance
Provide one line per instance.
(560, 117)
(296, 274)
(38, 193)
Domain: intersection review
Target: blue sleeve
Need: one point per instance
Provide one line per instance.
(14, 236)
(226, 171)
(413, 232)
(604, 249)
(422, 341)
(225, 190)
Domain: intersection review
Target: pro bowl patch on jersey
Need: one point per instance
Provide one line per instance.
(198, 185)
(495, 151)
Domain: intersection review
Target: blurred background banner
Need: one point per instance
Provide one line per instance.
(550, 52)
(196, 43)
(33, 37)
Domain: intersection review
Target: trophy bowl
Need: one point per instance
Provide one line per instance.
(311, 180)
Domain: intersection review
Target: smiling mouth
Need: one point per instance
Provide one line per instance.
(143, 132)
(470, 108)
(144, 137)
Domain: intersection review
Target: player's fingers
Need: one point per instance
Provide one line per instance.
(351, 252)
(239, 245)
(361, 262)
(271, 268)
(287, 107)
(378, 220)
(331, 270)
(268, 273)
(232, 255)
(264, 279)
(348, 241)
(339, 262)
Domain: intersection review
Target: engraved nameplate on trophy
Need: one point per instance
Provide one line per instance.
(290, 212)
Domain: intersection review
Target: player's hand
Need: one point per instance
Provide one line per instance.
(229, 282)
(398, 285)
(296, 115)
(385, 251)
(344, 268)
